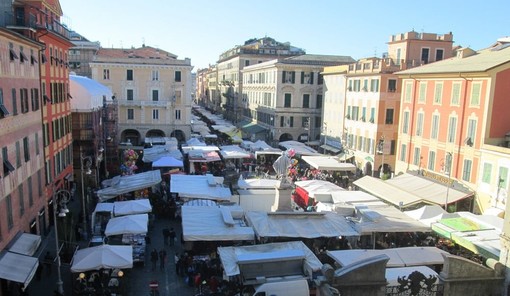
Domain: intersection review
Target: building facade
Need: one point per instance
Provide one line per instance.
(152, 89)
(284, 97)
(22, 202)
(373, 98)
(333, 111)
(81, 54)
(231, 63)
(450, 110)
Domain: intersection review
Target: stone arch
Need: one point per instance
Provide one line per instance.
(285, 137)
(179, 135)
(132, 136)
(368, 168)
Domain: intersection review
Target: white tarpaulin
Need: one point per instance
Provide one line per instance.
(196, 186)
(87, 94)
(299, 224)
(125, 184)
(230, 255)
(329, 163)
(17, 268)
(209, 224)
(385, 218)
(399, 257)
(167, 162)
(132, 224)
(103, 256)
(158, 151)
(233, 152)
(407, 190)
(25, 244)
(132, 207)
(258, 183)
(300, 148)
(263, 146)
(429, 214)
(314, 187)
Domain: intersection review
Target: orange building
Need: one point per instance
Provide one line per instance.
(373, 98)
(451, 108)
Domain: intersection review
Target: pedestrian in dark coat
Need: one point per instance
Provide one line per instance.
(171, 236)
(162, 259)
(154, 258)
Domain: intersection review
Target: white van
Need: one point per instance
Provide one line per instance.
(297, 287)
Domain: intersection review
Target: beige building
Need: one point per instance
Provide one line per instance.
(81, 54)
(153, 90)
(282, 99)
(231, 63)
(333, 111)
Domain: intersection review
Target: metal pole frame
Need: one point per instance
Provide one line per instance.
(83, 198)
(55, 200)
(449, 172)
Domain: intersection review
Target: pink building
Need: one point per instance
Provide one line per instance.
(449, 109)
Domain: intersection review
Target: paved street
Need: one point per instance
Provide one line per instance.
(136, 281)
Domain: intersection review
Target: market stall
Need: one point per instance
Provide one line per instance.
(131, 207)
(125, 184)
(132, 230)
(198, 186)
(103, 256)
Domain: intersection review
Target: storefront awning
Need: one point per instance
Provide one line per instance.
(25, 244)
(406, 190)
(330, 148)
(17, 268)
(253, 128)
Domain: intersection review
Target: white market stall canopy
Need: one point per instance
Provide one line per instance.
(167, 162)
(300, 148)
(399, 257)
(329, 163)
(213, 224)
(385, 218)
(429, 214)
(132, 207)
(17, 268)
(130, 224)
(258, 183)
(262, 146)
(196, 186)
(125, 184)
(158, 151)
(232, 256)
(299, 224)
(315, 187)
(356, 197)
(103, 256)
(409, 190)
(233, 152)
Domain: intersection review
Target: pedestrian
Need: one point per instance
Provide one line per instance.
(166, 235)
(171, 236)
(154, 258)
(162, 259)
(176, 259)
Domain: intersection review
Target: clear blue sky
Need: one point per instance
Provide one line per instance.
(203, 29)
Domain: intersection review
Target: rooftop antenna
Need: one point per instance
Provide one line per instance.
(121, 44)
(375, 51)
(143, 42)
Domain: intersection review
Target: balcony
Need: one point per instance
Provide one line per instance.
(23, 22)
(140, 103)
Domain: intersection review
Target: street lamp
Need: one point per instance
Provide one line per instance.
(59, 200)
(448, 172)
(83, 199)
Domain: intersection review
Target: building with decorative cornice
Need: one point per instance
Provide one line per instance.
(233, 61)
(282, 98)
(373, 99)
(153, 92)
(452, 112)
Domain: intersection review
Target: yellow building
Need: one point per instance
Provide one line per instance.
(153, 90)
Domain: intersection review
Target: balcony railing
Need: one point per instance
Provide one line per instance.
(140, 103)
(30, 21)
